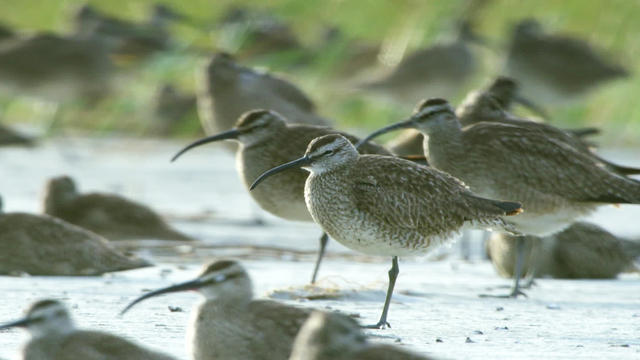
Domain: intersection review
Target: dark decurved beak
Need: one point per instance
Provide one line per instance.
(406, 124)
(531, 106)
(226, 135)
(18, 323)
(189, 285)
(305, 160)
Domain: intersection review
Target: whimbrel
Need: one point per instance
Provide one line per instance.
(581, 251)
(129, 39)
(554, 68)
(55, 68)
(383, 205)
(436, 70)
(228, 90)
(333, 336)
(111, 216)
(487, 108)
(265, 142)
(9, 137)
(229, 323)
(54, 336)
(476, 107)
(44, 245)
(555, 182)
(253, 33)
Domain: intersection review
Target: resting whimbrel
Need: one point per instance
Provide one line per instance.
(44, 245)
(383, 205)
(436, 70)
(581, 251)
(230, 324)
(228, 90)
(111, 216)
(553, 68)
(265, 142)
(255, 32)
(55, 337)
(9, 137)
(128, 38)
(555, 182)
(333, 336)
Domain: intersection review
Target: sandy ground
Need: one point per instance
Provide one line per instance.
(436, 308)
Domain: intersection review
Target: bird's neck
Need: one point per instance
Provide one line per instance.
(443, 142)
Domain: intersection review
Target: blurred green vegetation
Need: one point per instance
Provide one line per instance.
(611, 26)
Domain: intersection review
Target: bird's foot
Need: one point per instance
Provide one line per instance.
(512, 295)
(379, 325)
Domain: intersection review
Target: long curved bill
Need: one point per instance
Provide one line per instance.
(535, 108)
(229, 134)
(189, 285)
(401, 125)
(18, 323)
(305, 160)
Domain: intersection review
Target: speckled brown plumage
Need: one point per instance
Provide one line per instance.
(43, 245)
(383, 205)
(111, 216)
(283, 195)
(227, 90)
(555, 182)
(333, 336)
(582, 251)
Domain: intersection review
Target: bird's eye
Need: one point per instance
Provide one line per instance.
(328, 152)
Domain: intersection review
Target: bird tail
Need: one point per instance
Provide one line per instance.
(491, 212)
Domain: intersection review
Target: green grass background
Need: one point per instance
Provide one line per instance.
(611, 25)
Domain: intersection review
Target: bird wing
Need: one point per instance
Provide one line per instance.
(542, 164)
(94, 345)
(419, 198)
(280, 323)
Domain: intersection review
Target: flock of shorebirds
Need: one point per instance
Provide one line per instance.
(475, 166)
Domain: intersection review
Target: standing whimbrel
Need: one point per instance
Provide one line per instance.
(44, 245)
(228, 90)
(111, 216)
(383, 205)
(555, 182)
(436, 70)
(581, 251)
(55, 337)
(230, 324)
(475, 107)
(267, 141)
(552, 68)
(333, 336)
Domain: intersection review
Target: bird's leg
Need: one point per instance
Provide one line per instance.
(520, 244)
(465, 250)
(324, 239)
(515, 291)
(393, 275)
